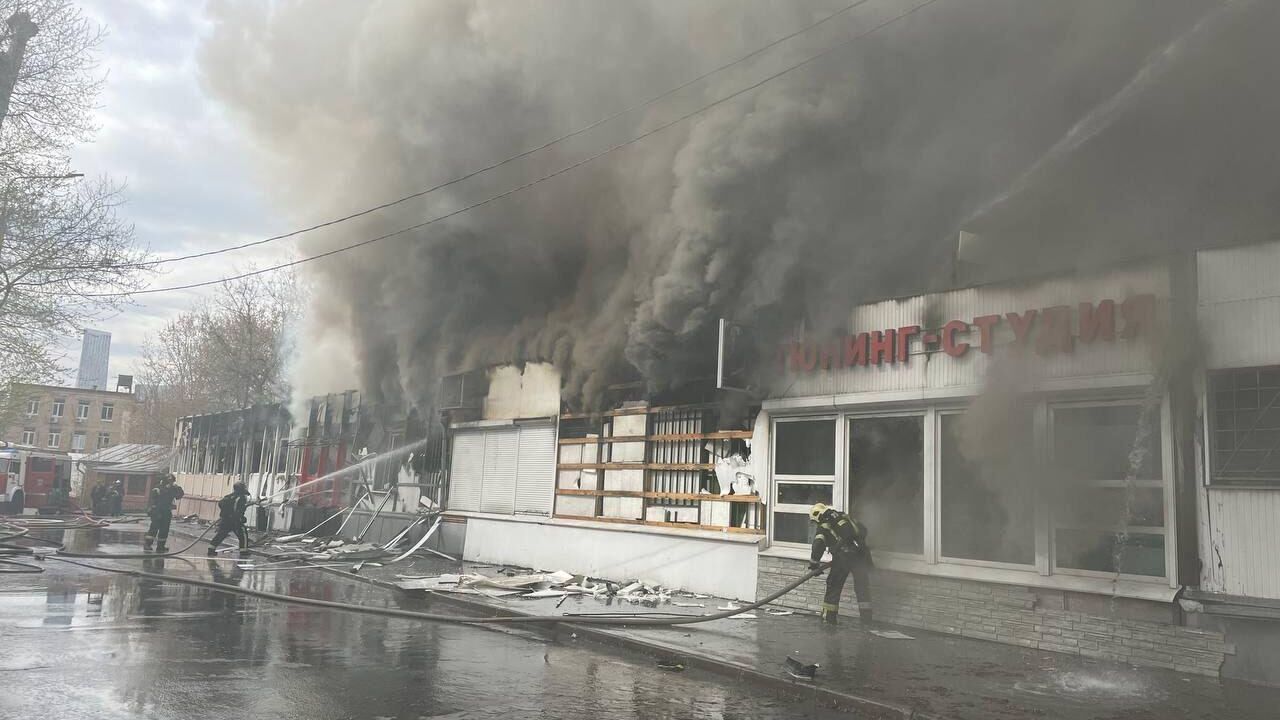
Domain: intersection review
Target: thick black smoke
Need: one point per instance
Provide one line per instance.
(843, 181)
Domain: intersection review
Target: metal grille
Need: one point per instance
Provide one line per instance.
(1245, 425)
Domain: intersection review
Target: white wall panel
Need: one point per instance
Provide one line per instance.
(1244, 539)
(726, 568)
(1240, 305)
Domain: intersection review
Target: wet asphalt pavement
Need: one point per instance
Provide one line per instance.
(81, 643)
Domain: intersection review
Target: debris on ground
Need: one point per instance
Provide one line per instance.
(891, 634)
(671, 665)
(799, 670)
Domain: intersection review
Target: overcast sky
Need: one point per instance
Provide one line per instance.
(190, 173)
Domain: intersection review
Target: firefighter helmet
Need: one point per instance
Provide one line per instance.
(816, 512)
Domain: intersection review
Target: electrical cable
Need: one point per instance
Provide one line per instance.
(568, 168)
(603, 619)
(520, 155)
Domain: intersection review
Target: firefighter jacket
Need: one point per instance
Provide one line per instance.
(840, 534)
(231, 509)
(162, 499)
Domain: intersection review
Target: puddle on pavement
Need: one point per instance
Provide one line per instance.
(80, 643)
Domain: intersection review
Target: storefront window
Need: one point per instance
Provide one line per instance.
(886, 481)
(987, 489)
(804, 468)
(1107, 494)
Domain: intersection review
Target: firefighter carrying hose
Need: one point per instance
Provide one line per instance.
(231, 509)
(847, 541)
(160, 510)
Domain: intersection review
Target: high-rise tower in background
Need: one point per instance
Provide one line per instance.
(95, 351)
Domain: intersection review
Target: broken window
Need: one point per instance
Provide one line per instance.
(886, 481)
(987, 490)
(804, 472)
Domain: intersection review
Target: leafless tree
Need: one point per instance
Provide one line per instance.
(63, 245)
(49, 83)
(231, 352)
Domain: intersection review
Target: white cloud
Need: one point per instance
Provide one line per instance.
(189, 172)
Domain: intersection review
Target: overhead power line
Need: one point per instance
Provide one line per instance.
(520, 155)
(568, 168)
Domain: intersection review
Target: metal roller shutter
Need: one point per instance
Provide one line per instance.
(536, 469)
(466, 470)
(501, 449)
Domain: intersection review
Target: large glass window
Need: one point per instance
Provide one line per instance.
(1244, 426)
(988, 488)
(1107, 491)
(804, 471)
(886, 481)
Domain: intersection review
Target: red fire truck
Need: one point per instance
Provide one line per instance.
(28, 475)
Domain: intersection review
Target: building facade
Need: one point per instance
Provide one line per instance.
(1080, 463)
(69, 419)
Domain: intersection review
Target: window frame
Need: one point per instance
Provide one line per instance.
(1165, 483)
(33, 407)
(80, 435)
(837, 493)
(1045, 564)
(101, 444)
(54, 444)
(107, 412)
(83, 405)
(29, 436)
(1037, 500)
(58, 409)
(928, 425)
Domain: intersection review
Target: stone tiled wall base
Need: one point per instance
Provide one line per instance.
(1009, 614)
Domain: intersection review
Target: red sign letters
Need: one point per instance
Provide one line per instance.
(1046, 330)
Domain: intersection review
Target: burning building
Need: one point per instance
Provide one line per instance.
(1058, 422)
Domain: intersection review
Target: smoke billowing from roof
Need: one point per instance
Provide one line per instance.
(842, 181)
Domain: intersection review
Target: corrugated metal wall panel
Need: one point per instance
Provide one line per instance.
(501, 449)
(466, 470)
(536, 469)
(938, 370)
(1240, 305)
(1245, 533)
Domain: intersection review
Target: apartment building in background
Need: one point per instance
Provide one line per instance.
(70, 419)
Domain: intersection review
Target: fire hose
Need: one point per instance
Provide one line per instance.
(587, 619)
(57, 547)
(582, 619)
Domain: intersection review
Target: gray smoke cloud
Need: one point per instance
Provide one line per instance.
(843, 181)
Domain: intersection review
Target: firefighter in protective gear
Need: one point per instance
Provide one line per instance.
(160, 510)
(231, 509)
(847, 540)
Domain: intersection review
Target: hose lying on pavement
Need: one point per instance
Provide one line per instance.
(609, 619)
(60, 549)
